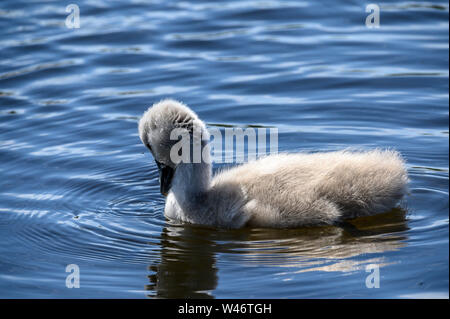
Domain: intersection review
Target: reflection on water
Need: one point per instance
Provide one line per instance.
(187, 265)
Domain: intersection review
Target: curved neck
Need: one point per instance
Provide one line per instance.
(191, 182)
(200, 202)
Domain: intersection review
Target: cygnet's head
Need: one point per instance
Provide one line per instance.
(156, 126)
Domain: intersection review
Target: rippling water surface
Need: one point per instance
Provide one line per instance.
(77, 186)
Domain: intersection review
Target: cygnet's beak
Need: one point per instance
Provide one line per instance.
(165, 177)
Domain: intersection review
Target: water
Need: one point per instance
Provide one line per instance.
(77, 186)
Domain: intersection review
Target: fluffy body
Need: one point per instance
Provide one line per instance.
(282, 191)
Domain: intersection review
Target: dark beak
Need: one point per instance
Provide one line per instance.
(165, 177)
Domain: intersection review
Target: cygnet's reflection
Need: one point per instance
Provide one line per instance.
(188, 268)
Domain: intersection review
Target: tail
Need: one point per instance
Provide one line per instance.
(376, 182)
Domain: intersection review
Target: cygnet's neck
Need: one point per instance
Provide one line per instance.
(191, 183)
(196, 200)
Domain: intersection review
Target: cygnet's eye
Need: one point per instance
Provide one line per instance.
(148, 146)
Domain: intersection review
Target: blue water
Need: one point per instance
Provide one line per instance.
(78, 187)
